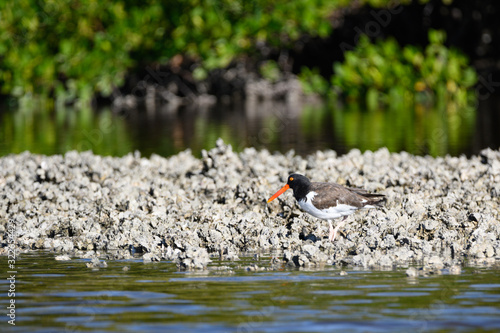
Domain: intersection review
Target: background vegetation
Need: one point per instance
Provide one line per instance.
(76, 48)
(383, 73)
(72, 49)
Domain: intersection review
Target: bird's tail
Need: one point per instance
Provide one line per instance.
(373, 199)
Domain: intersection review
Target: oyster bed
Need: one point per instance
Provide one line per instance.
(439, 211)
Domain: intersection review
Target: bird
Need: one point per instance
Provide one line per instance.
(329, 201)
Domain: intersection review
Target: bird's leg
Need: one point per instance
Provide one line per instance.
(331, 235)
(333, 232)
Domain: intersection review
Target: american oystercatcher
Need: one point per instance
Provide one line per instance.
(328, 201)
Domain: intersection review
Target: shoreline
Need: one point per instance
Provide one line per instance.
(439, 211)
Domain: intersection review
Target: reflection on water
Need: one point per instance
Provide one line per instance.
(420, 131)
(69, 297)
(55, 132)
(274, 126)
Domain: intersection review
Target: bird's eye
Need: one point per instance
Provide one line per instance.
(291, 178)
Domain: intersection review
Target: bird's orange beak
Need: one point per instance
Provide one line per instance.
(280, 192)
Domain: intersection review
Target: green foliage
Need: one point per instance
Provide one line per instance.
(313, 82)
(270, 71)
(73, 49)
(385, 73)
(76, 48)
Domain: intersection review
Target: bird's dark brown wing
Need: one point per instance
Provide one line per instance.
(329, 194)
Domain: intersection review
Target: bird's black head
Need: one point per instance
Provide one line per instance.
(298, 183)
(296, 180)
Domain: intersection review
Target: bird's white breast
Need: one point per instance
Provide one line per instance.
(329, 213)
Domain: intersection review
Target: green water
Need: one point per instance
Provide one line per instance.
(55, 296)
(418, 130)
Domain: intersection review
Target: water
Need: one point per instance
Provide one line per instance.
(55, 296)
(273, 126)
